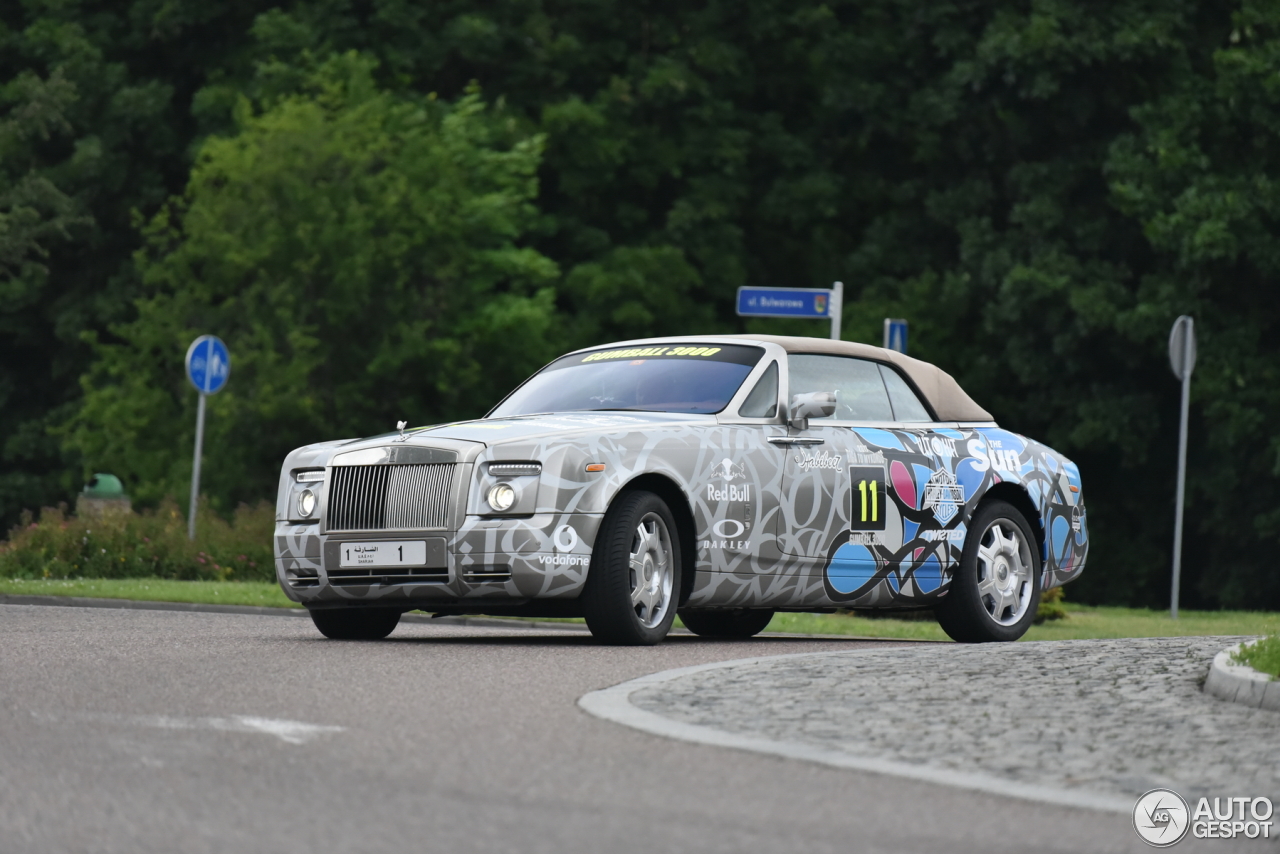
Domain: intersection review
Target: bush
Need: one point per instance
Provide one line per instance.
(1051, 606)
(152, 544)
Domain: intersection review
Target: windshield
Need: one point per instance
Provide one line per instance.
(691, 378)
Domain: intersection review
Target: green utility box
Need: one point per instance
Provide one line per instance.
(103, 494)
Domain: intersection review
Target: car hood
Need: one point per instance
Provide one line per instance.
(494, 431)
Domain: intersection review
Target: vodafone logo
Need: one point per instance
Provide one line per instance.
(565, 539)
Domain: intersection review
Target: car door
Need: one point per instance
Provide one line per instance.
(737, 479)
(920, 546)
(853, 501)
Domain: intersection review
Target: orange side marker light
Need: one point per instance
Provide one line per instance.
(595, 467)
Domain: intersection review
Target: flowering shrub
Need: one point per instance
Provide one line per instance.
(150, 544)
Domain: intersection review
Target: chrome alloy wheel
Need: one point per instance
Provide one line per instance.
(1004, 572)
(651, 570)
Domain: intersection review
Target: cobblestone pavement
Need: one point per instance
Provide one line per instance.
(1111, 717)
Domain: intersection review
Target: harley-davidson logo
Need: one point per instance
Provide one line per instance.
(943, 495)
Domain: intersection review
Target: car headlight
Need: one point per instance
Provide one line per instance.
(501, 496)
(306, 503)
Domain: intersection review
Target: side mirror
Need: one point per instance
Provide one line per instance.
(814, 404)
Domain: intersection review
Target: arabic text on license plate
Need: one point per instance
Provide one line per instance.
(410, 553)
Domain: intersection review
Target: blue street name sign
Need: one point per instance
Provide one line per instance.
(208, 364)
(813, 303)
(895, 334)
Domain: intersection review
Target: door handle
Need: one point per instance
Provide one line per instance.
(796, 440)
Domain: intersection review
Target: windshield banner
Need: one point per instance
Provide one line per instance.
(717, 353)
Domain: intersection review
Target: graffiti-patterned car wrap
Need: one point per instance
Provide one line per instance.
(838, 514)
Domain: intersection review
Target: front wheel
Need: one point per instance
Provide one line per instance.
(996, 589)
(356, 623)
(734, 623)
(630, 594)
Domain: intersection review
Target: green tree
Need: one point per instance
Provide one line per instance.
(1057, 183)
(36, 216)
(1039, 187)
(95, 106)
(33, 211)
(359, 252)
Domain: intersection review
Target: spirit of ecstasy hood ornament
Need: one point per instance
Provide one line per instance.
(400, 425)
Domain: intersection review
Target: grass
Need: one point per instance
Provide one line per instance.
(1082, 621)
(1263, 656)
(265, 593)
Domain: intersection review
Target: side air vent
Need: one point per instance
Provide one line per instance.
(385, 575)
(487, 573)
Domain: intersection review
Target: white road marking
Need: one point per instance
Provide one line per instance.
(291, 732)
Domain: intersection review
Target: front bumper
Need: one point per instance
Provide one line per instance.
(503, 561)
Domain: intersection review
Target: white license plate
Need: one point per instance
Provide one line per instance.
(409, 553)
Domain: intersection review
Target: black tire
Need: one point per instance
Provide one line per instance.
(736, 623)
(356, 623)
(968, 613)
(623, 607)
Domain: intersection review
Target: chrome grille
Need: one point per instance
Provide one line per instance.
(389, 497)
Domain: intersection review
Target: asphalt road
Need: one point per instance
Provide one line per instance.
(151, 731)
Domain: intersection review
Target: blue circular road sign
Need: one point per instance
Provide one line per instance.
(208, 364)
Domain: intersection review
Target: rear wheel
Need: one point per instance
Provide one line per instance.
(996, 588)
(629, 597)
(356, 623)
(735, 623)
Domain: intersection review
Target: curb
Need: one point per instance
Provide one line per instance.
(1240, 683)
(478, 622)
(147, 605)
(614, 704)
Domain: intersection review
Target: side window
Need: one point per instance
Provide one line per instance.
(860, 392)
(763, 400)
(906, 406)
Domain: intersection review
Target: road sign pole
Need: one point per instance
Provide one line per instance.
(208, 368)
(195, 469)
(836, 307)
(1182, 358)
(1188, 343)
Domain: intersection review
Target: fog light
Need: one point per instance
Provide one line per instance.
(501, 497)
(306, 502)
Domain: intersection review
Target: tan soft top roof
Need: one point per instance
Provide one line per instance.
(943, 393)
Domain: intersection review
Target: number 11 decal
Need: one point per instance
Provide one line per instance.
(867, 498)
